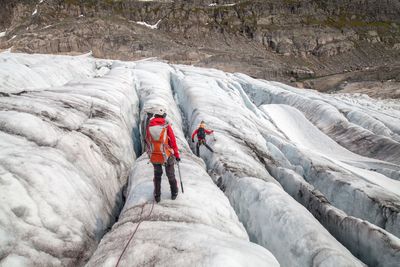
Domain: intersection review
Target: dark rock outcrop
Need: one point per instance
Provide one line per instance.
(291, 40)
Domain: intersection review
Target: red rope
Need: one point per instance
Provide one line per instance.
(134, 232)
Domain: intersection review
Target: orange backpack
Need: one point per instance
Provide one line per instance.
(157, 144)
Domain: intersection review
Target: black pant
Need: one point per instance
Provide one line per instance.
(169, 169)
(202, 142)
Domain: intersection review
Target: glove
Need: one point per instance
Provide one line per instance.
(178, 159)
(192, 140)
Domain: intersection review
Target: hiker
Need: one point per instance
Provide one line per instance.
(162, 150)
(201, 137)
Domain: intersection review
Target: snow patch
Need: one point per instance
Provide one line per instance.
(226, 5)
(155, 26)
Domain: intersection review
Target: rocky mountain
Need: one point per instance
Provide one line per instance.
(317, 44)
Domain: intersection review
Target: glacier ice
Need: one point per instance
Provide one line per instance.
(66, 153)
(198, 229)
(288, 230)
(313, 178)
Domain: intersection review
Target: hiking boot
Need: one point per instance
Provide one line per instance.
(174, 195)
(157, 198)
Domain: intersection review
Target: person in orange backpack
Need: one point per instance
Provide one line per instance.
(201, 133)
(162, 150)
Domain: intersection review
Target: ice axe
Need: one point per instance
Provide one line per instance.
(180, 177)
(214, 136)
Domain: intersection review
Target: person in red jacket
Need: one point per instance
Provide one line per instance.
(201, 133)
(162, 150)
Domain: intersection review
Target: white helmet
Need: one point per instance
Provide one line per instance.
(160, 111)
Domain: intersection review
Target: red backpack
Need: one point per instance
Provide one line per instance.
(157, 144)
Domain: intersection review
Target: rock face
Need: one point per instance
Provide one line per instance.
(291, 40)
